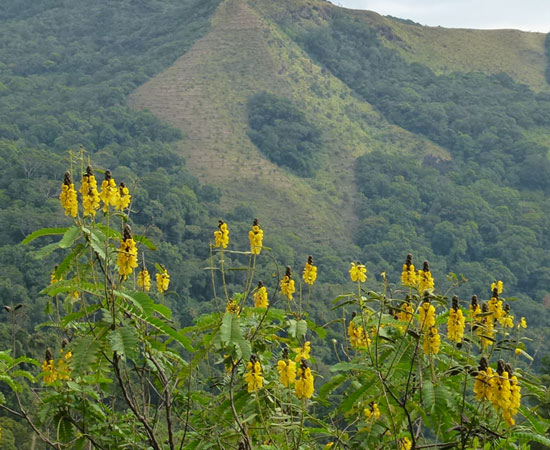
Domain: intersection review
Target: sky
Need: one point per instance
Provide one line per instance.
(527, 15)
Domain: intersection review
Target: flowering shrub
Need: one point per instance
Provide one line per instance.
(414, 370)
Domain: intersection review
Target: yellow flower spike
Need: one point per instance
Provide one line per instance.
(109, 192)
(455, 323)
(498, 285)
(474, 309)
(122, 200)
(310, 272)
(358, 338)
(358, 272)
(303, 352)
(253, 375)
(287, 369)
(372, 412)
(221, 235)
(408, 275)
(426, 315)
(287, 284)
(163, 280)
(407, 310)
(424, 279)
(233, 307)
(432, 341)
(53, 278)
(144, 279)
(89, 193)
(405, 444)
(68, 198)
(304, 381)
(260, 296)
(256, 236)
(127, 254)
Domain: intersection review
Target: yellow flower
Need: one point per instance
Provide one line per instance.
(68, 196)
(455, 323)
(253, 375)
(144, 279)
(424, 279)
(163, 280)
(495, 306)
(482, 383)
(109, 192)
(303, 352)
(406, 313)
(260, 296)
(88, 190)
(426, 315)
(498, 286)
(522, 323)
(256, 236)
(405, 444)
(287, 371)
(233, 307)
(127, 254)
(53, 278)
(408, 275)
(372, 412)
(432, 341)
(50, 374)
(304, 381)
(310, 272)
(518, 351)
(122, 200)
(358, 338)
(221, 235)
(287, 284)
(358, 272)
(474, 308)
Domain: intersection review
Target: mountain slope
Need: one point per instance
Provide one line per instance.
(205, 94)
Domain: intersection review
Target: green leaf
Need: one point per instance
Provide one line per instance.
(350, 400)
(85, 352)
(79, 314)
(145, 241)
(319, 331)
(44, 232)
(45, 251)
(329, 386)
(65, 265)
(65, 431)
(69, 237)
(97, 243)
(230, 330)
(145, 303)
(301, 329)
(124, 341)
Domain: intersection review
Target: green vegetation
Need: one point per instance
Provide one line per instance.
(481, 212)
(547, 54)
(412, 371)
(453, 167)
(283, 134)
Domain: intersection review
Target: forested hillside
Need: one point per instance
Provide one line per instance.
(350, 136)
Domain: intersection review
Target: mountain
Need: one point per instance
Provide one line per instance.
(442, 102)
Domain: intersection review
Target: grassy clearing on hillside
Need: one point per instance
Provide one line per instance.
(205, 94)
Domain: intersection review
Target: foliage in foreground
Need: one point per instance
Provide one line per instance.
(414, 370)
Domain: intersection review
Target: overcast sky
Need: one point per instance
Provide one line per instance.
(527, 15)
